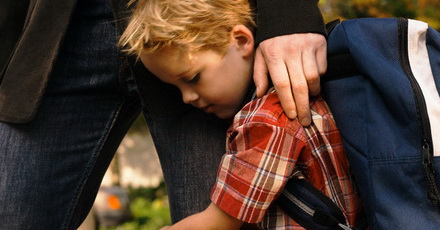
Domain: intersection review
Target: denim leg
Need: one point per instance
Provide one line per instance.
(190, 147)
(51, 167)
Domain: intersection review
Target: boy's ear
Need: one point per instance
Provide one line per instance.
(243, 39)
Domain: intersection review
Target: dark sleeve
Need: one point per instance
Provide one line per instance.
(13, 14)
(281, 17)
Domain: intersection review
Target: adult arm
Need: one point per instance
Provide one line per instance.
(292, 48)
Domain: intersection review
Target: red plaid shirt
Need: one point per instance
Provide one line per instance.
(264, 147)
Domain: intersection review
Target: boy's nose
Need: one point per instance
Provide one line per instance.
(189, 96)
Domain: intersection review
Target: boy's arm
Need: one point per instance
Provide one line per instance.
(213, 218)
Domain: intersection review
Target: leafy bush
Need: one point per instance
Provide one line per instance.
(149, 207)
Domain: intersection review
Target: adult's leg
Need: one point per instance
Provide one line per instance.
(51, 167)
(190, 148)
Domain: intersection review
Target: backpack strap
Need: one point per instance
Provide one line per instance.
(309, 207)
(340, 65)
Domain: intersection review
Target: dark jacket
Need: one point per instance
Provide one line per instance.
(32, 31)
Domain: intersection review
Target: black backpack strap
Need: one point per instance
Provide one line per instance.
(339, 65)
(331, 25)
(309, 207)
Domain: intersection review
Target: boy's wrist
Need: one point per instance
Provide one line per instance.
(211, 218)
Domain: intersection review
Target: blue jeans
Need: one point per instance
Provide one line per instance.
(51, 167)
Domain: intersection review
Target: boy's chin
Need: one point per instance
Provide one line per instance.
(225, 114)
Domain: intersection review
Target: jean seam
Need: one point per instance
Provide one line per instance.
(88, 169)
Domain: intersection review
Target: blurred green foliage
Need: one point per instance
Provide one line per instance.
(149, 207)
(424, 10)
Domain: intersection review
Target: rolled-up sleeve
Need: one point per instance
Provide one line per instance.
(259, 160)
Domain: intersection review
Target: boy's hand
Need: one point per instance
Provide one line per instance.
(295, 63)
(211, 218)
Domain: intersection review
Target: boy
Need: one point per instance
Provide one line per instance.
(206, 49)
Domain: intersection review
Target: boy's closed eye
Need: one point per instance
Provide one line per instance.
(194, 79)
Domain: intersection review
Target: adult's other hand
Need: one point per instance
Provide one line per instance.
(295, 63)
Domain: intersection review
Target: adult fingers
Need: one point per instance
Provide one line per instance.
(321, 58)
(280, 78)
(299, 87)
(311, 71)
(261, 76)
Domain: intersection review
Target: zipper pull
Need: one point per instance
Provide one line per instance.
(427, 155)
(433, 193)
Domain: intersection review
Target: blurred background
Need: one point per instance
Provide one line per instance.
(133, 196)
(423, 10)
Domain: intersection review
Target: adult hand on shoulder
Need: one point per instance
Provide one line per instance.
(295, 63)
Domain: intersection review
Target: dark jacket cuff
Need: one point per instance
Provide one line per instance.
(281, 17)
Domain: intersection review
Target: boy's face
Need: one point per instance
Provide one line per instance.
(214, 83)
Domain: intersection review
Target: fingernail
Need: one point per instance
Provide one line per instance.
(292, 114)
(257, 90)
(305, 121)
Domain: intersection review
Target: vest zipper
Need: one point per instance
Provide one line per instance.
(433, 192)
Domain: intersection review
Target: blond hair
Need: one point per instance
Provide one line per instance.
(190, 25)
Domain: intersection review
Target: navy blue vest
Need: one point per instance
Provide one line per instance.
(382, 87)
